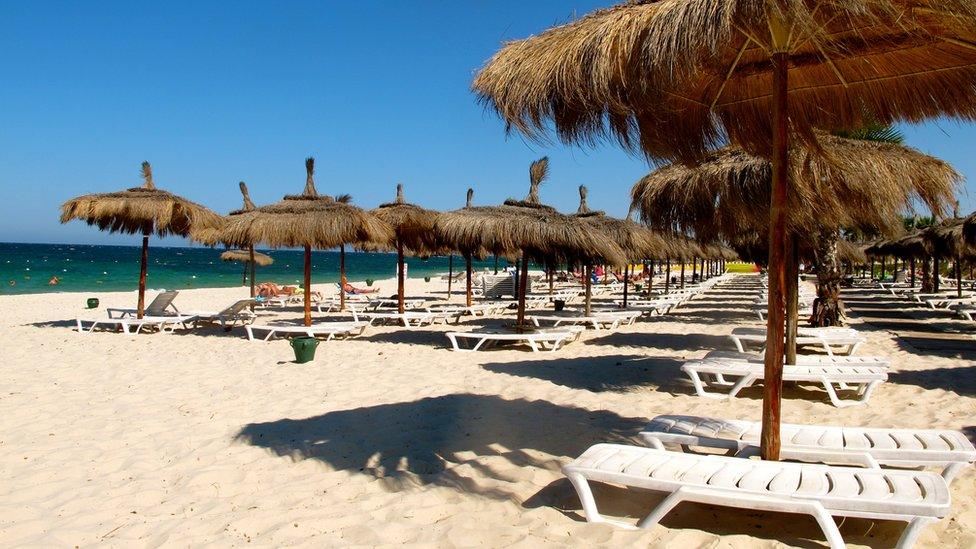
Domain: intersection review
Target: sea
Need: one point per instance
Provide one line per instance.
(30, 268)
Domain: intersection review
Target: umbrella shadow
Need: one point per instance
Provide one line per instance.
(960, 380)
(660, 340)
(601, 373)
(52, 324)
(456, 441)
(406, 336)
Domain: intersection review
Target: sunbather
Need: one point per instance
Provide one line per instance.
(350, 289)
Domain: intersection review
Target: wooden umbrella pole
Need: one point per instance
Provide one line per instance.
(682, 286)
(496, 263)
(667, 276)
(913, 272)
(342, 277)
(626, 280)
(250, 251)
(650, 278)
(588, 273)
(244, 275)
(694, 268)
(958, 275)
(936, 274)
(552, 280)
(308, 285)
(522, 287)
(467, 280)
(773, 383)
(792, 297)
(143, 264)
(400, 278)
(450, 276)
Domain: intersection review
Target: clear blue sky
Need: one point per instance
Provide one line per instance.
(212, 93)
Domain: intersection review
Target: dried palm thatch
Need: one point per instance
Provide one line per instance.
(969, 229)
(673, 79)
(908, 246)
(308, 220)
(854, 184)
(637, 241)
(142, 210)
(244, 256)
(850, 253)
(530, 228)
(945, 239)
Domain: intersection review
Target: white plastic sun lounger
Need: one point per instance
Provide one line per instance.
(828, 339)
(159, 306)
(716, 373)
(598, 320)
(944, 448)
(131, 325)
(328, 330)
(821, 491)
(412, 319)
(478, 309)
(229, 317)
(551, 340)
(805, 360)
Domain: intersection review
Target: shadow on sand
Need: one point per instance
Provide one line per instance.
(453, 440)
(602, 373)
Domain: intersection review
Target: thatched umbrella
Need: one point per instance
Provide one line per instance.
(637, 241)
(249, 258)
(413, 230)
(308, 220)
(530, 228)
(144, 210)
(672, 79)
(945, 239)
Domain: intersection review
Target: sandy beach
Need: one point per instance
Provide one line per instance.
(205, 439)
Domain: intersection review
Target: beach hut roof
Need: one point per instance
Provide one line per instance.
(945, 239)
(142, 210)
(675, 79)
(851, 183)
(244, 256)
(308, 219)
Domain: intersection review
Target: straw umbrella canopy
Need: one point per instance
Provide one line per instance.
(673, 79)
(635, 240)
(413, 229)
(307, 221)
(530, 228)
(850, 183)
(145, 210)
(249, 258)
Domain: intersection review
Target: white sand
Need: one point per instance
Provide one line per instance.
(205, 438)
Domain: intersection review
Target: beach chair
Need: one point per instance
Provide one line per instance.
(159, 306)
(478, 309)
(804, 360)
(327, 330)
(718, 373)
(803, 312)
(133, 325)
(831, 340)
(821, 491)
(537, 340)
(910, 448)
(229, 317)
(412, 319)
(597, 320)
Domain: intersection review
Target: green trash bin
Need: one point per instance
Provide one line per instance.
(304, 348)
(92, 302)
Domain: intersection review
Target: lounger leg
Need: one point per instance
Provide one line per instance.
(586, 498)
(662, 509)
(738, 344)
(912, 532)
(840, 403)
(950, 472)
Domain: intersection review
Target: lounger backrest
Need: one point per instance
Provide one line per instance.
(237, 307)
(162, 301)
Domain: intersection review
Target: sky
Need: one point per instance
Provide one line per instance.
(214, 93)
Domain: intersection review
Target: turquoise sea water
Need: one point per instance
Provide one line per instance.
(27, 268)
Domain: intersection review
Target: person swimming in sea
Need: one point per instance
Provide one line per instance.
(54, 281)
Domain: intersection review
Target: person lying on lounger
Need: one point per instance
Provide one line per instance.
(350, 289)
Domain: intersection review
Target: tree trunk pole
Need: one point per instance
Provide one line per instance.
(792, 297)
(496, 263)
(936, 274)
(667, 276)
(773, 383)
(143, 265)
(522, 288)
(308, 285)
(244, 275)
(342, 277)
(913, 273)
(552, 280)
(958, 275)
(467, 276)
(626, 281)
(250, 251)
(694, 268)
(650, 278)
(588, 274)
(400, 278)
(450, 276)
